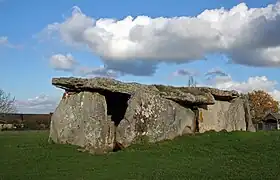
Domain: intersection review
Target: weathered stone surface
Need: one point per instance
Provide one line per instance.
(248, 117)
(153, 118)
(99, 84)
(223, 115)
(81, 119)
(217, 93)
(100, 114)
(213, 118)
(185, 95)
(199, 91)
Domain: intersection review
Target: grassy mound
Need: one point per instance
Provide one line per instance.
(237, 155)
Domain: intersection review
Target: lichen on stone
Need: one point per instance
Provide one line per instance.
(143, 113)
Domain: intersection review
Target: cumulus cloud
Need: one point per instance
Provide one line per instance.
(247, 36)
(38, 104)
(63, 62)
(217, 78)
(97, 72)
(276, 94)
(253, 83)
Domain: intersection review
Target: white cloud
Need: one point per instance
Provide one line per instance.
(39, 104)
(248, 36)
(67, 62)
(276, 94)
(253, 83)
(217, 78)
(63, 62)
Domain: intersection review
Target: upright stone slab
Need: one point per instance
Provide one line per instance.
(248, 117)
(81, 119)
(224, 115)
(213, 118)
(152, 118)
(235, 119)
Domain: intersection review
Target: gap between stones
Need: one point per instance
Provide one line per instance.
(117, 104)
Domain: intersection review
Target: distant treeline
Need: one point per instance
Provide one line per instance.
(25, 121)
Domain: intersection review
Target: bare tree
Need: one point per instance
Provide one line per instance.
(7, 103)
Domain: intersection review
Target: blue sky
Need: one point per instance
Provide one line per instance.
(28, 61)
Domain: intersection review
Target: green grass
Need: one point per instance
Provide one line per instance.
(238, 155)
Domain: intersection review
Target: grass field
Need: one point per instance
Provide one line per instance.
(238, 155)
